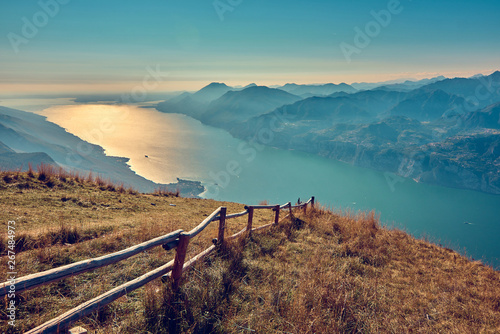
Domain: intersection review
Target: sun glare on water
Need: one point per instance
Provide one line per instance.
(155, 143)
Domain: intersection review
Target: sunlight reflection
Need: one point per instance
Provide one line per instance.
(158, 145)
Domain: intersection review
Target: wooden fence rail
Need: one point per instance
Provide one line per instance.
(171, 271)
(52, 275)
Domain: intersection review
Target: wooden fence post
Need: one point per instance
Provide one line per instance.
(180, 256)
(312, 202)
(304, 208)
(250, 220)
(290, 208)
(277, 214)
(222, 225)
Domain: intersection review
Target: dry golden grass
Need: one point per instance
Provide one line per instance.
(67, 221)
(330, 273)
(322, 272)
(164, 191)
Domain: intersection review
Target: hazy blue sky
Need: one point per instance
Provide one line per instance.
(109, 44)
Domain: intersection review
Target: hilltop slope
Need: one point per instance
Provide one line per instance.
(318, 273)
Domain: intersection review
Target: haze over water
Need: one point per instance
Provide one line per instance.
(179, 146)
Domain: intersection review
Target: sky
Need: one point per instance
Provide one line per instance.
(67, 46)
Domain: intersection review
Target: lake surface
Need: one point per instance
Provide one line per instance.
(162, 147)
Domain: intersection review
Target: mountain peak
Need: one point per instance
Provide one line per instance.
(216, 85)
(257, 88)
(261, 91)
(495, 75)
(211, 92)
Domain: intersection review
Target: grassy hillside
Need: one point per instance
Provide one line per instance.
(317, 273)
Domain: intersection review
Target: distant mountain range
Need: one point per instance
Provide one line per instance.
(397, 85)
(317, 90)
(440, 131)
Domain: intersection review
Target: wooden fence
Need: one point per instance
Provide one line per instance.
(170, 271)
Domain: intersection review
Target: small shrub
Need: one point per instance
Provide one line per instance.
(62, 175)
(99, 181)
(121, 189)
(75, 176)
(31, 173)
(90, 177)
(164, 191)
(45, 172)
(132, 191)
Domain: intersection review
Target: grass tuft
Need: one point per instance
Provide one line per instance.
(46, 172)
(164, 191)
(31, 173)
